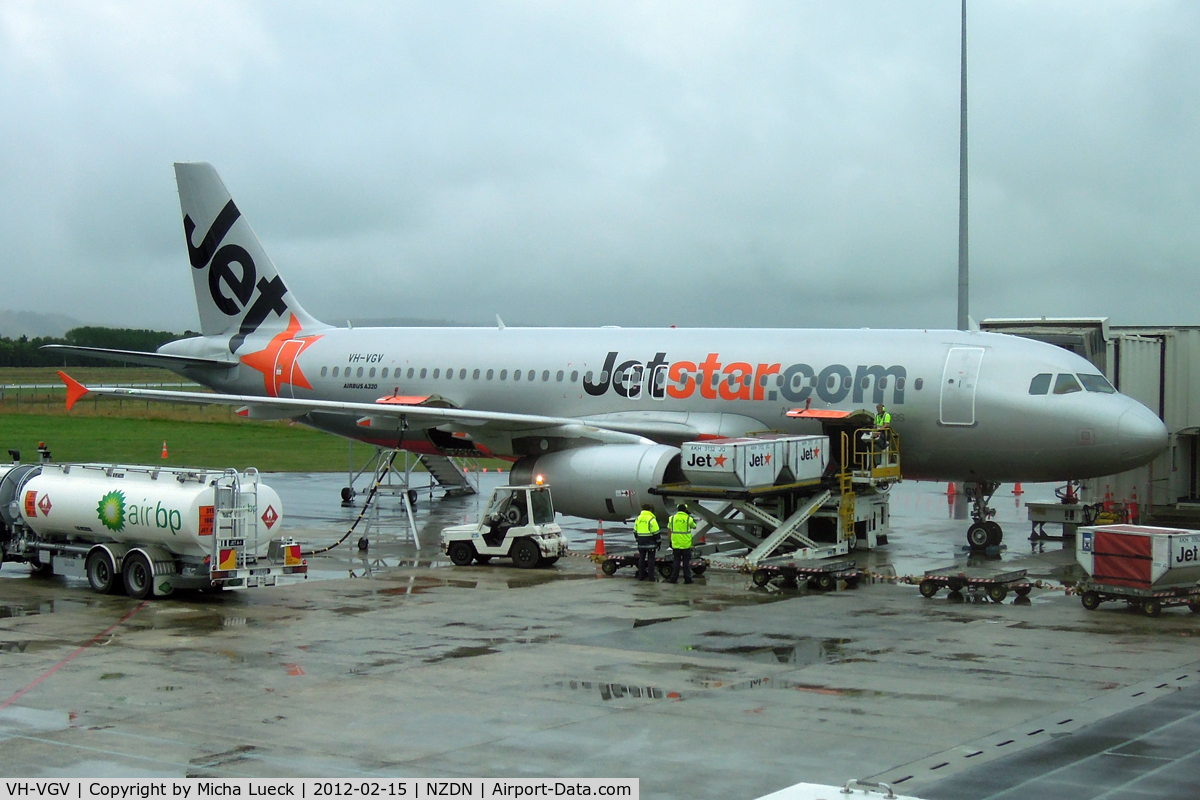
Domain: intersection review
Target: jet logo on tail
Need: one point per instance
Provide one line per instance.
(221, 275)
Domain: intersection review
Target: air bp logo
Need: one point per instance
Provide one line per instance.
(111, 511)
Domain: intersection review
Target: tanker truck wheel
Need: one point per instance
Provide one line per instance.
(139, 576)
(101, 573)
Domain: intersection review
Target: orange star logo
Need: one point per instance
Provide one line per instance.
(720, 461)
(277, 361)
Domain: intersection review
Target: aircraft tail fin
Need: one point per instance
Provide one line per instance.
(238, 289)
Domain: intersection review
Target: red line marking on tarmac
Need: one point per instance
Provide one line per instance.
(64, 662)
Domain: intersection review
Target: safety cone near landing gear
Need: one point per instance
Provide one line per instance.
(950, 490)
(600, 551)
(164, 454)
(1017, 489)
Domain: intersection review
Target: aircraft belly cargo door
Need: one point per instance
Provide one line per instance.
(958, 385)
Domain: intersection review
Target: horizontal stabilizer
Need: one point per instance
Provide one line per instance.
(164, 360)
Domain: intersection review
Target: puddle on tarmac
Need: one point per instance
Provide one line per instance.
(802, 651)
(421, 584)
(462, 652)
(615, 691)
(541, 579)
(26, 646)
(48, 606)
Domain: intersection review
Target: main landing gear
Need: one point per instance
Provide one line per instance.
(984, 531)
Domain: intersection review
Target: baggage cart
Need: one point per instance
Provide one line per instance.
(663, 564)
(995, 586)
(821, 576)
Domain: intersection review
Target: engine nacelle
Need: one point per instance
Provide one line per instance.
(607, 481)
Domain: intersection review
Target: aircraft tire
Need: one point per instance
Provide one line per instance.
(995, 533)
(978, 536)
(525, 553)
(461, 553)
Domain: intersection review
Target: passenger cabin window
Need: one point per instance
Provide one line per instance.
(1096, 383)
(475, 375)
(1040, 383)
(462, 374)
(574, 375)
(422, 372)
(410, 373)
(503, 374)
(335, 372)
(324, 370)
(385, 372)
(1066, 384)
(490, 373)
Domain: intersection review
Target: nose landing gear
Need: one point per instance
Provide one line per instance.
(984, 532)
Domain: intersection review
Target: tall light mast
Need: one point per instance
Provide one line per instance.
(963, 284)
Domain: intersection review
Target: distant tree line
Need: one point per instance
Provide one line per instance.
(26, 352)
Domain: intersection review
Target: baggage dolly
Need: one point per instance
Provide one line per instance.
(1150, 602)
(996, 587)
(822, 576)
(663, 564)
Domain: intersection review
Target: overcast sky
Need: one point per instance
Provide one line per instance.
(743, 164)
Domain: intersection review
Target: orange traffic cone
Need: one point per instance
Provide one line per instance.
(164, 455)
(1108, 498)
(1017, 489)
(600, 551)
(950, 489)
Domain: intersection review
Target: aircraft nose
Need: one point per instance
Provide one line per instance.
(1141, 435)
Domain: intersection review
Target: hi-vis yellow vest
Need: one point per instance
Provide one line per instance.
(645, 524)
(682, 526)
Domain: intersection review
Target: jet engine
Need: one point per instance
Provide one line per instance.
(607, 481)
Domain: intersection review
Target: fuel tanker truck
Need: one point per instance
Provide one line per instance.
(145, 531)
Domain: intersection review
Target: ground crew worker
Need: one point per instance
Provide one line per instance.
(882, 418)
(682, 526)
(645, 530)
(883, 437)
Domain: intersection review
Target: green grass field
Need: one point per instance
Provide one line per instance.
(133, 431)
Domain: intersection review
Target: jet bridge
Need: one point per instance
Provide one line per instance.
(795, 496)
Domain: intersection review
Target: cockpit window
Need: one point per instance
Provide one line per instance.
(1066, 383)
(1096, 383)
(1040, 383)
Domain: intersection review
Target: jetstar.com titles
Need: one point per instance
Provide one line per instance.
(741, 380)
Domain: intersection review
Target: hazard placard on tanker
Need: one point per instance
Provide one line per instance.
(751, 462)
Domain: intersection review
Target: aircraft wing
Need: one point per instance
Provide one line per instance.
(164, 360)
(421, 416)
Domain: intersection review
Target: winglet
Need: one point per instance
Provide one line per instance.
(75, 389)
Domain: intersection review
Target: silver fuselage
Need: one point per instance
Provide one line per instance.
(960, 401)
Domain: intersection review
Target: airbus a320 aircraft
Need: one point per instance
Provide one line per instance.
(601, 412)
